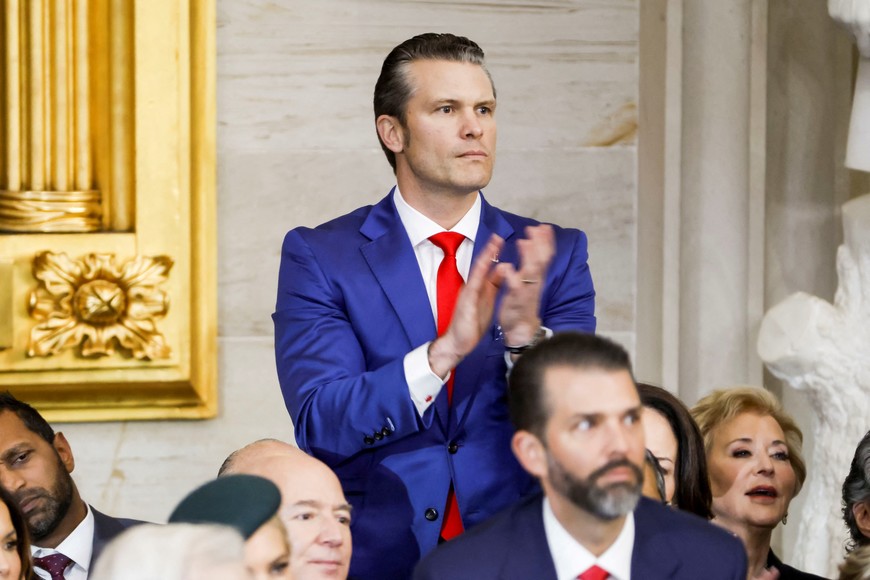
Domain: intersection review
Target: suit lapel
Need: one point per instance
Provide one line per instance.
(391, 258)
(468, 372)
(392, 261)
(653, 556)
(528, 554)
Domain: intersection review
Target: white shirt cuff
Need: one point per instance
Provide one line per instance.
(423, 384)
(507, 355)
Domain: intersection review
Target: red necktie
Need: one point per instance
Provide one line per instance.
(594, 573)
(449, 284)
(54, 564)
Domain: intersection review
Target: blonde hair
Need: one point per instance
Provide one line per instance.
(723, 405)
(170, 552)
(857, 565)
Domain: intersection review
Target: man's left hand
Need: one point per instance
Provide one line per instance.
(518, 315)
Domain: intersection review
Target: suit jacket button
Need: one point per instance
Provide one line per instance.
(431, 514)
(452, 448)
(368, 440)
(386, 431)
(379, 435)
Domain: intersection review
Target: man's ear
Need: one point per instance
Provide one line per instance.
(861, 511)
(391, 133)
(61, 445)
(530, 452)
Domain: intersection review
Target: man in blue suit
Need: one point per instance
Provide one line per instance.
(404, 402)
(578, 417)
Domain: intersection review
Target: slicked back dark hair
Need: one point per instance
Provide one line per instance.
(856, 488)
(393, 88)
(529, 409)
(691, 481)
(28, 415)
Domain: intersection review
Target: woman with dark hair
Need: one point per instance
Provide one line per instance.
(674, 440)
(856, 496)
(15, 553)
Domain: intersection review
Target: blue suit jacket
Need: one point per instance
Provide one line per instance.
(351, 305)
(668, 544)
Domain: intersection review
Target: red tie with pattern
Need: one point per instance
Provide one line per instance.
(449, 283)
(594, 573)
(54, 564)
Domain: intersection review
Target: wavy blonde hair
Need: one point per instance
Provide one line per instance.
(857, 565)
(723, 405)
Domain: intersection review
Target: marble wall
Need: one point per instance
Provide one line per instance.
(297, 146)
(753, 172)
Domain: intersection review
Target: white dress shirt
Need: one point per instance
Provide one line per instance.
(423, 384)
(78, 546)
(572, 559)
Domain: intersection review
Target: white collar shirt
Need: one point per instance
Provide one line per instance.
(78, 546)
(571, 558)
(420, 228)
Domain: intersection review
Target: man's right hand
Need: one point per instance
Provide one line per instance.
(472, 315)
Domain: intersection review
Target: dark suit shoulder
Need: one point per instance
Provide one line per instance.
(685, 544)
(105, 530)
(786, 572)
(107, 527)
(485, 551)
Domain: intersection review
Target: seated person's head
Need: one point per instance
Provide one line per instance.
(313, 506)
(250, 505)
(674, 439)
(747, 432)
(857, 565)
(44, 491)
(856, 496)
(577, 413)
(173, 552)
(15, 558)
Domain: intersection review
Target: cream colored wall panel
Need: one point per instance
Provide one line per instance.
(142, 469)
(293, 77)
(590, 189)
(263, 196)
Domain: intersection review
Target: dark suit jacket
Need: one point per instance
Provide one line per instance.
(351, 305)
(668, 544)
(787, 572)
(105, 529)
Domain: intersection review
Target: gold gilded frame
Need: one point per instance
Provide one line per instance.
(119, 323)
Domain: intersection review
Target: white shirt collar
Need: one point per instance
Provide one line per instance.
(571, 558)
(420, 227)
(78, 546)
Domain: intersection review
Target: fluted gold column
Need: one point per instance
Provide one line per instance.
(46, 179)
(122, 110)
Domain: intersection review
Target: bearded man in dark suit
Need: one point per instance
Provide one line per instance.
(578, 416)
(35, 467)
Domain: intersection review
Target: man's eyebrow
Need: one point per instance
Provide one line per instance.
(312, 503)
(16, 449)
(308, 503)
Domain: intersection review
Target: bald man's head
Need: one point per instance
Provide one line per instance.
(313, 506)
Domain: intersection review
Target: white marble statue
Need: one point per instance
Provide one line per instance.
(854, 16)
(823, 349)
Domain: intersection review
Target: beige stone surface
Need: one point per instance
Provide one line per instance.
(296, 146)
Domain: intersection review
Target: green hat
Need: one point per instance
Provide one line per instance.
(244, 502)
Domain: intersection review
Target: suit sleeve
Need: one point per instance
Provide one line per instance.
(569, 300)
(339, 408)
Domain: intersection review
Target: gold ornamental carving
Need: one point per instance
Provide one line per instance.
(94, 304)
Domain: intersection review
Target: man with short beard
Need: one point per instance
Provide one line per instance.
(575, 405)
(67, 535)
